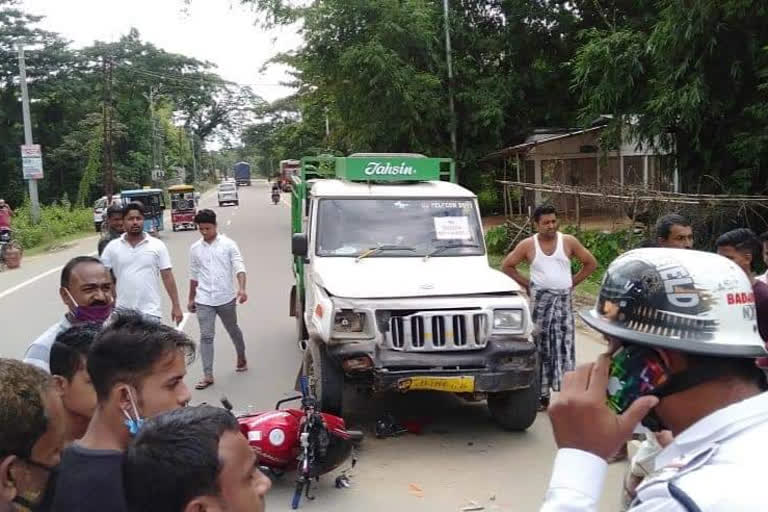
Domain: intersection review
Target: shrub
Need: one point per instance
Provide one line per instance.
(489, 200)
(605, 247)
(497, 239)
(56, 221)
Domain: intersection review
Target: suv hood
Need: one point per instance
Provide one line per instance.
(384, 277)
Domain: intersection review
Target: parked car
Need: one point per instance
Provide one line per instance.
(227, 192)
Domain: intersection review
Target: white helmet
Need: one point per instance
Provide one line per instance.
(679, 299)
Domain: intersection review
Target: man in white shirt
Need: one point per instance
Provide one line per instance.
(683, 339)
(86, 289)
(214, 265)
(139, 262)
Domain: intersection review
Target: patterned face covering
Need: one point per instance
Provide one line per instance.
(635, 371)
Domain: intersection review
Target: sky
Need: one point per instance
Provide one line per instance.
(219, 31)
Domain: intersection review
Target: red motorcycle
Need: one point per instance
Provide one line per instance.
(305, 440)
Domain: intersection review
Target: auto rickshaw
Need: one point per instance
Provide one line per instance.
(154, 205)
(183, 207)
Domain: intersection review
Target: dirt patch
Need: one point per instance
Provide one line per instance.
(493, 221)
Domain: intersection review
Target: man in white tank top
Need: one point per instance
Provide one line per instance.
(549, 254)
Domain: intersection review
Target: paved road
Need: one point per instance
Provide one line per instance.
(460, 457)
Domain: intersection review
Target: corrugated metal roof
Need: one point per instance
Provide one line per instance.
(528, 145)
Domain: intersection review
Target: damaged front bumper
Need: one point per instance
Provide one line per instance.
(506, 363)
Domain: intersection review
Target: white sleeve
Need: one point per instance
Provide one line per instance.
(107, 257)
(164, 259)
(576, 483)
(194, 266)
(236, 258)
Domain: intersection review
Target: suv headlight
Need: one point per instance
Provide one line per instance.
(508, 320)
(348, 321)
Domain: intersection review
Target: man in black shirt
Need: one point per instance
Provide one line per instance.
(137, 368)
(32, 431)
(193, 459)
(114, 224)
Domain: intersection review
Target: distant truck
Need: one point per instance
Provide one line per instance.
(242, 171)
(288, 169)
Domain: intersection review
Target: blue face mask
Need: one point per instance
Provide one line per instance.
(135, 423)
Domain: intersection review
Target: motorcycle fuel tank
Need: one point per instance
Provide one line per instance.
(274, 436)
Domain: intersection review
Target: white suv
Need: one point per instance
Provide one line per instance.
(228, 194)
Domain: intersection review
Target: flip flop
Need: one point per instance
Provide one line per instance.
(242, 366)
(204, 384)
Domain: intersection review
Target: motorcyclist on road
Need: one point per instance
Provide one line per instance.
(275, 189)
(5, 215)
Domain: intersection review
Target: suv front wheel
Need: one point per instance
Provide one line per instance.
(326, 379)
(515, 410)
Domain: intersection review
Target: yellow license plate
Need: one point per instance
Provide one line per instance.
(448, 384)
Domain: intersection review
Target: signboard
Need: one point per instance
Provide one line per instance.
(452, 228)
(32, 162)
(388, 169)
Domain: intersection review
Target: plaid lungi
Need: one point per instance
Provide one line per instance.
(553, 320)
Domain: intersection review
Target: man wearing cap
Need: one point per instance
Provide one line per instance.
(681, 358)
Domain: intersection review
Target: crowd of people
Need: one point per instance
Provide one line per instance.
(685, 368)
(96, 416)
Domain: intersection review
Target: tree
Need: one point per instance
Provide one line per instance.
(694, 68)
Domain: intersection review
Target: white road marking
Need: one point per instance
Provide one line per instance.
(183, 322)
(35, 279)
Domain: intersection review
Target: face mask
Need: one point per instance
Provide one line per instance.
(636, 371)
(134, 424)
(97, 313)
(35, 500)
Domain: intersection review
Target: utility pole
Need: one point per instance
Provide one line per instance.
(450, 80)
(327, 127)
(194, 158)
(106, 161)
(33, 198)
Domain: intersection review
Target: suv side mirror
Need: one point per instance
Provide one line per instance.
(299, 245)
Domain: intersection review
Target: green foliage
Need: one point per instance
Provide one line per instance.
(489, 199)
(378, 69)
(497, 240)
(604, 246)
(56, 221)
(697, 68)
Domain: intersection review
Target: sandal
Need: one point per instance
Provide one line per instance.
(242, 365)
(204, 384)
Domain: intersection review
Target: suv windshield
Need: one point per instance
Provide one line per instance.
(398, 228)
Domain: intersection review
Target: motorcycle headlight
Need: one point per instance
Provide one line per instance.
(508, 320)
(349, 321)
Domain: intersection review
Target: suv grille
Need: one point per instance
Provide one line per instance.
(438, 331)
